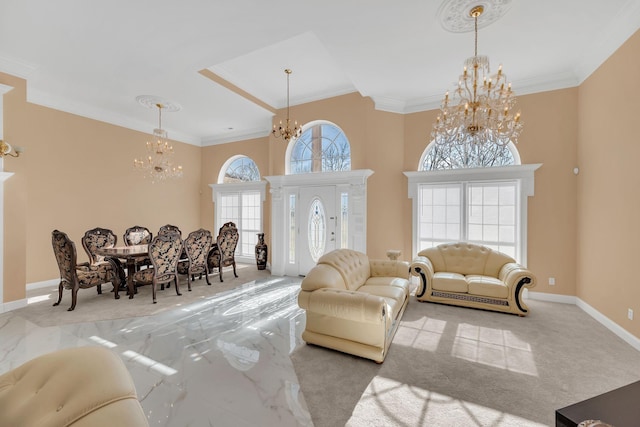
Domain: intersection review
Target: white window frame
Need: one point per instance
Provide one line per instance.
(218, 190)
(523, 174)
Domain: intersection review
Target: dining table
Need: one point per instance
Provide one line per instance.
(130, 254)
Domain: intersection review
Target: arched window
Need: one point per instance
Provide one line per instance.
(239, 169)
(459, 156)
(322, 147)
(239, 196)
(483, 201)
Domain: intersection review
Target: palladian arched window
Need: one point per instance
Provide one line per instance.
(322, 147)
(483, 201)
(239, 196)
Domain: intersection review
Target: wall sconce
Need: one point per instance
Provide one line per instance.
(7, 150)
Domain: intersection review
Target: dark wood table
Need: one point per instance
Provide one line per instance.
(130, 254)
(618, 407)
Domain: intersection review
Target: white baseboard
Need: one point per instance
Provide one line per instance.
(43, 284)
(13, 305)
(629, 338)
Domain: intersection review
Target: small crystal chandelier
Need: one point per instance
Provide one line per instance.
(287, 133)
(158, 165)
(480, 112)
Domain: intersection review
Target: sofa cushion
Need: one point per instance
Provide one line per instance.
(397, 282)
(393, 295)
(450, 282)
(487, 286)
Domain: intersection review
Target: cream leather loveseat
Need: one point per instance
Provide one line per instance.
(79, 387)
(472, 276)
(354, 304)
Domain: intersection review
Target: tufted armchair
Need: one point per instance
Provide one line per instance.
(197, 246)
(164, 251)
(222, 254)
(73, 276)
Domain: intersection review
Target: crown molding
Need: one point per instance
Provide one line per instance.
(237, 136)
(36, 96)
(16, 68)
(609, 39)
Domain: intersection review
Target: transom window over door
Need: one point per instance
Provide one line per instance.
(239, 196)
(322, 147)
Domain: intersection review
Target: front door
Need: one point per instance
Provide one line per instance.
(318, 225)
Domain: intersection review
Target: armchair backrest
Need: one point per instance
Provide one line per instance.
(227, 241)
(137, 235)
(197, 245)
(466, 258)
(352, 265)
(98, 238)
(164, 251)
(66, 255)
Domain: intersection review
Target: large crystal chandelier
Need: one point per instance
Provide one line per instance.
(480, 113)
(158, 164)
(286, 132)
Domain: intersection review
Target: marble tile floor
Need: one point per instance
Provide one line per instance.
(222, 361)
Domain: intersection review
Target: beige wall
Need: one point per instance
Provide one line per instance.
(76, 174)
(609, 187)
(572, 219)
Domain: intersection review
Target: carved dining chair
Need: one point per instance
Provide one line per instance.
(98, 238)
(197, 246)
(169, 228)
(164, 251)
(74, 276)
(172, 228)
(138, 235)
(222, 254)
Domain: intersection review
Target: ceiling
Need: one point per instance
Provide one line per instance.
(223, 62)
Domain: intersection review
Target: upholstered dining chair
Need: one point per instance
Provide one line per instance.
(74, 276)
(169, 228)
(98, 238)
(164, 251)
(138, 235)
(222, 254)
(197, 246)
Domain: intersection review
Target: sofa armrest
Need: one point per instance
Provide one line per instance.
(388, 268)
(322, 276)
(344, 304)
(421, 266)
(514, 274)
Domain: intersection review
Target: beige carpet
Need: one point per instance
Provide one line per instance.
(94, 307)
(451, 366)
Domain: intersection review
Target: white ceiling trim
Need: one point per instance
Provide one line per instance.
(239, 136)
(16, 68)
(91, 112)
(609, 39)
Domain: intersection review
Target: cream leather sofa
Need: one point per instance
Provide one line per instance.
(472, 276)
(79, 387)
(354, 304)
